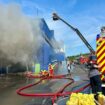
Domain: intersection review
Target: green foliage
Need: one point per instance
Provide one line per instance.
(77, 56)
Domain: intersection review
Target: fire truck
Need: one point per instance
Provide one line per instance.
(83, 59)
(97, 56)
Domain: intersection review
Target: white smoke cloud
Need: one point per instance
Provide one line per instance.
(20, 36)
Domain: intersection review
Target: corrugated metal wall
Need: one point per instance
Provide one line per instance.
(44, 56)
(46, 53)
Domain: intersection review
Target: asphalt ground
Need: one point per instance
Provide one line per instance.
(9, 85)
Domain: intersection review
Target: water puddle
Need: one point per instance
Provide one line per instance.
(76, 78)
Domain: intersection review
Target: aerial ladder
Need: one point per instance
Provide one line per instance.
(93, 54)
(56, 17)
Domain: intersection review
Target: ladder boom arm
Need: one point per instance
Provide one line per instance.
(56, 17)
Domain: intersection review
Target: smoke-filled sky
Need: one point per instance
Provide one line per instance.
(20, 36)
(87, 15)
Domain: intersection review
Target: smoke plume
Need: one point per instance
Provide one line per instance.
(20, 36)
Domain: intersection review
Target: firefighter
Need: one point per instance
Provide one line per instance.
(102, 34)
(95, 80)
(51, 70)
(68, 68)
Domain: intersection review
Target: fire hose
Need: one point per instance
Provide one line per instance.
(54, 95)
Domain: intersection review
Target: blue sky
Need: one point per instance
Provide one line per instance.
(86, 15)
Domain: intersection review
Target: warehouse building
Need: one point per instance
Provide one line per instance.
(50, 51)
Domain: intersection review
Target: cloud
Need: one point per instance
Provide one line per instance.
(31, 8)
(32, 4)
(72, 3)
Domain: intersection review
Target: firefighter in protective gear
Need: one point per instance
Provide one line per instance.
(102, 34)
(95, 80)
(44, 73)
(51, 70)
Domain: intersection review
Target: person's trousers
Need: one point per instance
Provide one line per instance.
(95, 83)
